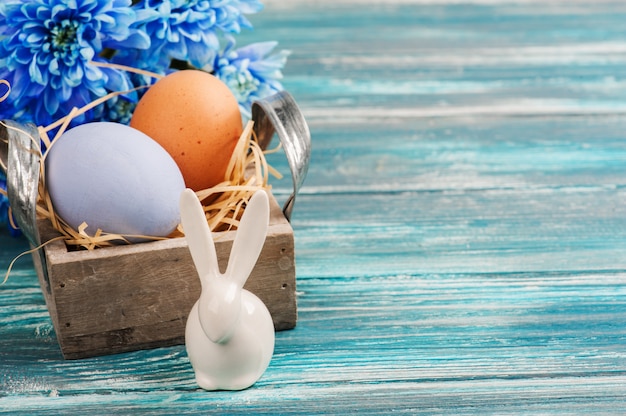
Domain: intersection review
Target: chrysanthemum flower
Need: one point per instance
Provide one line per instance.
(251, 72)
(45, 50)
(189, 30)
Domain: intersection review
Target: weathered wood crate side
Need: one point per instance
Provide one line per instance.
(132, 297)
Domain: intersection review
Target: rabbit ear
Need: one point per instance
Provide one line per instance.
(198, 234)
(249, 239)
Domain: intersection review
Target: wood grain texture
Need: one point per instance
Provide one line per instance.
(460, 238)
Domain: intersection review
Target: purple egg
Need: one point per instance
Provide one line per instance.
(114, 178)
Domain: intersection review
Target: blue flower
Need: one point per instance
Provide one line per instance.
(251, 72)
(188, 30)
(119, 109)
(45, 50)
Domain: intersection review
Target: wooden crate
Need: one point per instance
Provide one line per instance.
(132, 297)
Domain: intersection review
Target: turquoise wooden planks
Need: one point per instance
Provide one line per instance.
(460, 238)
(419, 341)
(465, 153)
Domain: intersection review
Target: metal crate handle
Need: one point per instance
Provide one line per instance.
(280, 114)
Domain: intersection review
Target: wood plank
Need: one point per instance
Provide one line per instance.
(460, 237)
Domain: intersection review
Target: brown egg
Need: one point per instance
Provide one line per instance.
(196, 118)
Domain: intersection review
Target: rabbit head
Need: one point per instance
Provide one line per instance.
(219, 308)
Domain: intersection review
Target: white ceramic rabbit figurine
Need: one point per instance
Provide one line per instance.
(229, 334)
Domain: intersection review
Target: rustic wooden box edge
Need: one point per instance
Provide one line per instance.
(132, 297)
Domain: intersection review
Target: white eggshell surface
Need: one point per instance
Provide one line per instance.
(114, 178)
